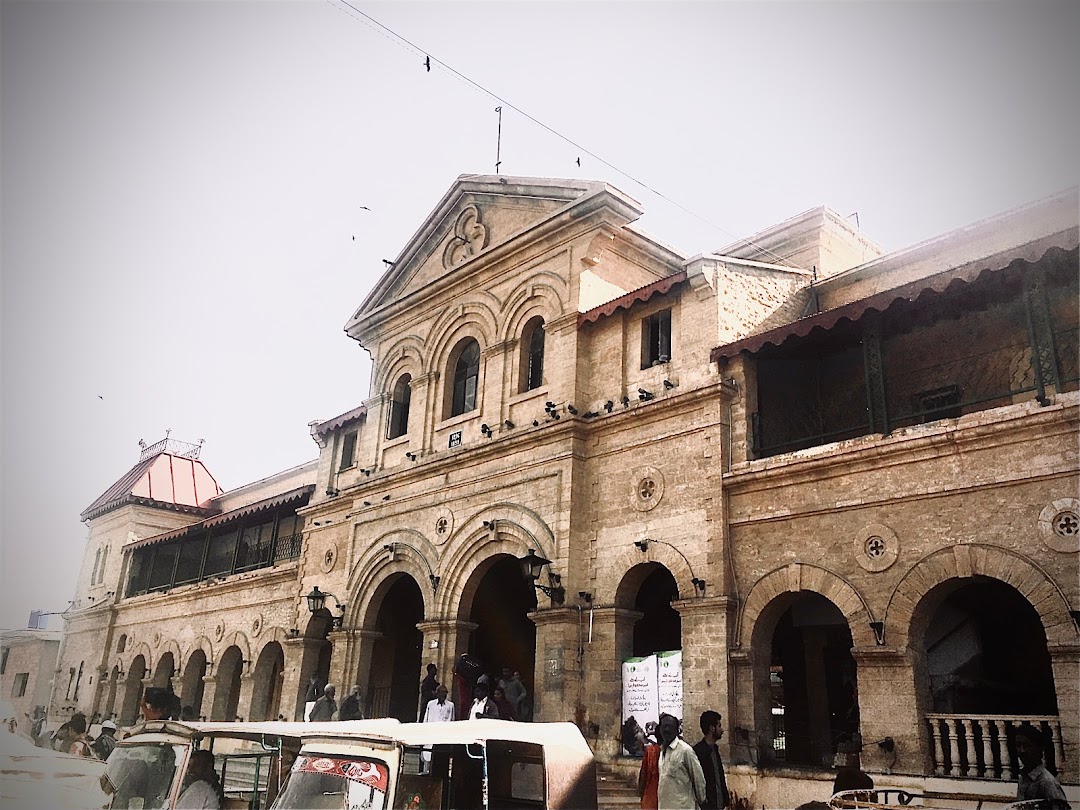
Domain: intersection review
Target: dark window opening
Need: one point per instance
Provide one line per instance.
(3, 660)
(466, 378)
(656, 339)
(189, 565)
(399, 408)
(939, 403)
(348, 450)
(532, 367)
(18, 689)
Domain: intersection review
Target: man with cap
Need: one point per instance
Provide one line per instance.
(106, 741)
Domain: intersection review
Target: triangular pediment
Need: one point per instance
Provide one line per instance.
(478, 213)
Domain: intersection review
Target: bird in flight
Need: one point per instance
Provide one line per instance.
(364, 207)
(579, 162)
(427, 64)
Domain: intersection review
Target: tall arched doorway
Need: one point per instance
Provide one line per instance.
(163, 673)
(660, 627)
(394, 687)
(812, 681)
(191, 688)
(129, 713)
(266, 695)
(505, 635)
(227, 675)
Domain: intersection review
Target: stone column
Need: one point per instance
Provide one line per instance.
(750, 726)
(1065, 664)
(209, 691)
(556, 639)
(496, 379)
(364, 642)
(451, 638)
(612, 642)
(888, 707)
(301, 662)
(342, 674)
(706, 627)
(247, 689)
(101, 692)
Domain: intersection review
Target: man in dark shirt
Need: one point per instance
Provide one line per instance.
(325, 707)
(716, 792)
(350, 706)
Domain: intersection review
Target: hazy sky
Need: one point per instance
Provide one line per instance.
(182, 182)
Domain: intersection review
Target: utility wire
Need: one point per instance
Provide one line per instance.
(402, 42)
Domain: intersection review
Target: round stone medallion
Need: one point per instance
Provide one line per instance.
(646, 488)
(1059, 525)
(443, 526)
(329, 557)
(876, 547)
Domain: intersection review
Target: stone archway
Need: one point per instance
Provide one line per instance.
(110, 700)
(396, 649)
(192, 686)
(163, 672)
(266, 694)
(129, 712)
(227, 674)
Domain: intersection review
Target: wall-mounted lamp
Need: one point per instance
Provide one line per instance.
(608, 406)
(434, 582)
(879, 632)
(585, 597)
(697, 582)
(644, 395)
(411, 456)
(668, 385)
(531, 565)
(316, 600)
(485, 430)
(508, 424)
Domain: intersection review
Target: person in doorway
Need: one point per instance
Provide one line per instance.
(106, 741)
(482, 705)
(438, 710)
(79, 744)
(1034, 781)
(682, 782)
(461, 693)
(350, 706)
(505, 707)
(187, 713)
(649, 775)
(427, 688)
(716, 792)
(326, 706)
(314, 692)
(202, 788)
(514, 689)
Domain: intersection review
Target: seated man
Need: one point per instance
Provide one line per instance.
(202, 788)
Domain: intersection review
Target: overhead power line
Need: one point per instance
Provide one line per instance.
(429, 60)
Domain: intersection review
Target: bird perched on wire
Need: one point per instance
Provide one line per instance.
(427, 64)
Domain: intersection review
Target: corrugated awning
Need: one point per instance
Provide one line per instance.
(293, 495)
(930, 287)
(355, 415)
(658, 287)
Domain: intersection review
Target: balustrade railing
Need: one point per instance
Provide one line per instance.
(288, 548)
(980, 746)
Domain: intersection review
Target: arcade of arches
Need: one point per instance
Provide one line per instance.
(976, 646)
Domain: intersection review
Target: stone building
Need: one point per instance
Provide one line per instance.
(27, 664)
(843, 483)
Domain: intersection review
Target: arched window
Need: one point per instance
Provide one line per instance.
(466, 377)
(399, 407)
(532, 355)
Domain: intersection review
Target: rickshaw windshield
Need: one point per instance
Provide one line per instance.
(142, 776)
(335, 783)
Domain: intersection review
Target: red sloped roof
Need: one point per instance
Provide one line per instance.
(163, 480)
(658, 287)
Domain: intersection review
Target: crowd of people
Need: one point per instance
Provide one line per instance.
(476, 693)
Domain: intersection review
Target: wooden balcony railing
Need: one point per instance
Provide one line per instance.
(980, 746)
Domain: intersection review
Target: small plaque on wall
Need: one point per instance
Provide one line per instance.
(455, 439)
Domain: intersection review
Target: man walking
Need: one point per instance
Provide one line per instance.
(325, 706)
(350, 706)
(716, 792)
(682, 782)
